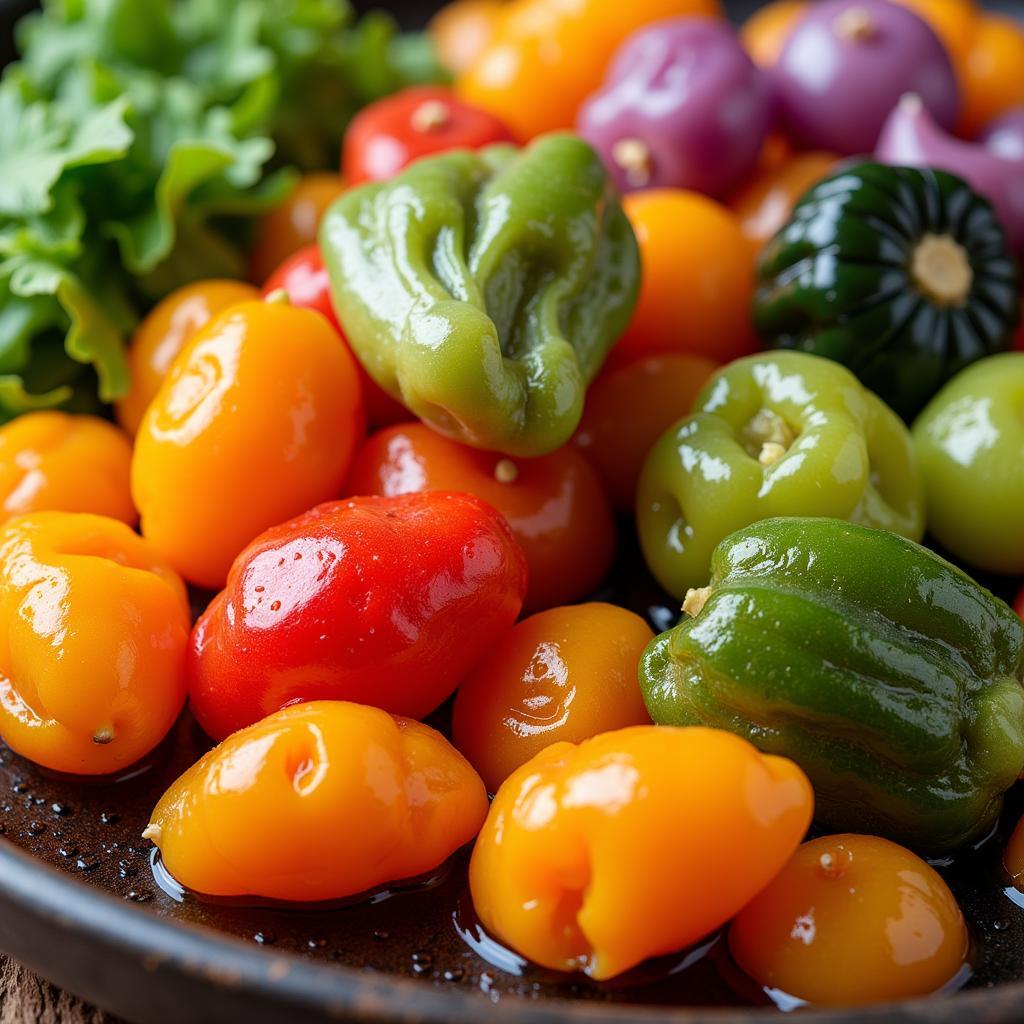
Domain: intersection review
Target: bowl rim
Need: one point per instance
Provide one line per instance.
(34, 891)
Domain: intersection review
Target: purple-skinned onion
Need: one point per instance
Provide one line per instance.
(1005, 135)
(845, 66)
(911, 138)
(682, 106)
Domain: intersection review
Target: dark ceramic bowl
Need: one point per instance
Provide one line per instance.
(82, 904)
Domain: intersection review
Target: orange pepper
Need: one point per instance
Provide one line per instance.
(256, 422)
(765, 203)
(628, 408)
(563, 674)
(765, 32)
(64, 463)
(165, 332)
(954, 22)
(547, 56)
(461, 30)
(698, 280)
(319, 801)
(93, 630)
(555, 504)
(634, 844)
(293, 224)
(992, 73)
(850, 920)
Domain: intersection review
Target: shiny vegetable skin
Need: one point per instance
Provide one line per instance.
(633, 844)
(93, 633)
(485, 289)
(260, 814)
(779, 434)
(891, 677)
(901, 274)
(382, 601)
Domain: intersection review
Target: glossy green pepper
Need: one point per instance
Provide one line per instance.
(903, 275)
(970, 447)
(485, 289)
(887, 674)
(776, 434)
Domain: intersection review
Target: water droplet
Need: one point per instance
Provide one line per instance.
(87, 862)
(137, 897)
(1001, 925)
(454, 974)
(316, 944)
(36, 828)
(109, 818)
(381, 934)
(265, 938)
(421, 962)
(61, 810)
(68, 851)
(19, 786)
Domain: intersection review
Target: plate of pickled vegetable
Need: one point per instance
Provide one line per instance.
(522, 520)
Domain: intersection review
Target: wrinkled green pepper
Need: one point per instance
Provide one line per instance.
(891, 677)
(485, 289)
(776, 434)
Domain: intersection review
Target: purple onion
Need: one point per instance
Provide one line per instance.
(683, 106)
(845, 66)
(1005, 135)
(911, 138)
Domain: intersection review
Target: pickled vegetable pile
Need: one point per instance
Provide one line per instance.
(739, 310)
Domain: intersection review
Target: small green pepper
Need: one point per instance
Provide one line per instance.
(485, 289)
(781, 433)
(887, 674)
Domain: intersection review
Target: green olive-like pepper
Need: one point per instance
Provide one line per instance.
(776, 434)
(890, 676)
(484, 289)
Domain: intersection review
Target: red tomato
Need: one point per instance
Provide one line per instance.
(393, 132)
(382, 601)
(1019, 604)
(304, 277)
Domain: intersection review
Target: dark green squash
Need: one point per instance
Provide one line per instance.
(903, 275)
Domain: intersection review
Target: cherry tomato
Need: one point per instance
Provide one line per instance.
(628, 408)
(305, 280)
(462, 29)
(165, 332)
(765, 32)
(563, 674)
(294, 224)
(416, 122)
(56, 461)
(257, 421)
(992, 81)
(698, 280)
(764, 204)
(555, 504)
(259, 815)
(852, 919)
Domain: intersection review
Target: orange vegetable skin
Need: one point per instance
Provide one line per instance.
(992, 73)
(164, 333)
(256, 422)
(954, 22)
(765, 203)
(698, 279)
(93, 628)
(765, 32)
(547, 56)
(564, 674)
(628, 408)
(461, 30)
(318, 802)
(850, 920)
(293, 224)
(633, 844)
(55, 461)
(555, 504)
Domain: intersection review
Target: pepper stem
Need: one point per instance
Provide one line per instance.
(767, 437)
(634, 157)
(855, 24)
(429, 116)
(279, 297)
(696, 598)
(941, 269)
(103, 735)
(506, 471)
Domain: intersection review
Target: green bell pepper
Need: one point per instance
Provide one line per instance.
(891, 677)
(903, 275)
(776, 434)
(485, 289)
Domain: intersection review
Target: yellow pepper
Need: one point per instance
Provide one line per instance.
(93, 631)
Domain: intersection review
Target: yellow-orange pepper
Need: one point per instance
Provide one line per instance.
(633, 844)
(852, 919)
(319, 801)
(546, 56)
(256, 422)
(53, 461)
(167, 329)
(93, 630)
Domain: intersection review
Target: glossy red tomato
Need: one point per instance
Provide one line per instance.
(393, 132)
(304, 277)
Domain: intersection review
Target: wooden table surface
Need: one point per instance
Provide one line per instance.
(26, 999)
